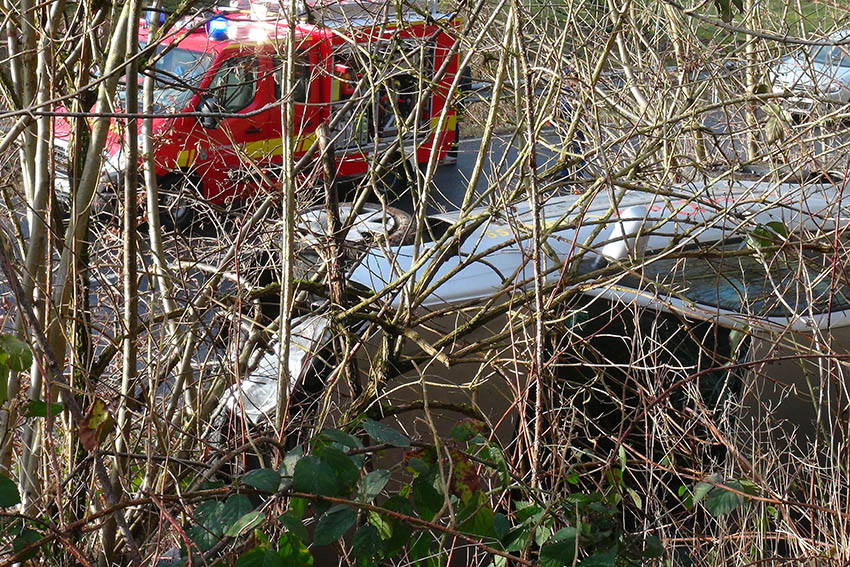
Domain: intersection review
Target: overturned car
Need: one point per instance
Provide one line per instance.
(620, 317)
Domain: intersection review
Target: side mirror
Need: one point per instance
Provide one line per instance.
(208, 108)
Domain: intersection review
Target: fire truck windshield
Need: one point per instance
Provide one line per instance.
(178, 72)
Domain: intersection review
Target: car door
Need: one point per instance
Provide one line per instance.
(242, 121)
(306, 98)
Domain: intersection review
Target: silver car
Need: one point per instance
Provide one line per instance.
(818, 74)
(656, 284)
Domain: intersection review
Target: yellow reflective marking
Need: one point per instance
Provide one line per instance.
(306, 142)
(450, 124)
(255, 149)
(185, 158)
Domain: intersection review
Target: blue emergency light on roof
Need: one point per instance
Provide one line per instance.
(151, 15)
(217, 28)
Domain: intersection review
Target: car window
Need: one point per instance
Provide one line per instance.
(300, 91)
(743, 283)
(832, 55)
(235, 83)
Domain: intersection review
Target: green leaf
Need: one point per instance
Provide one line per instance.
(293, 525)
(19, 356)
(37, 408)
(720, 502)
(260, 557)
(214, 518)
(26, 538)
(314, 476)
(621, 454)
(245, 523)
(501, 525)
(635, 498)
(426, 498)
(4, 383)
(367, 544)
(294, 552)
(287, 466)
(418, 466)
(724, 9)
(561, 549)
(768, 234)
(481, 523)
(700, 490)
(468, 428)
(333, 524)
(604, 559)
(236, 507)
(652, 547)
(372, 484)
(401, 531)
(9, 495)
(264, 480)
(347, 473)
(208, 530)
(344, 439)
(380, 432)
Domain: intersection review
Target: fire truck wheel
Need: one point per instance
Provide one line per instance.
(177, 197)
(373, 223)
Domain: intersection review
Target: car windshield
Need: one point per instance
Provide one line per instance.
(737, 281)
(832, 55)
(178, 72)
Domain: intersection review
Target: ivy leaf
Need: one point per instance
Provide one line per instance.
(18, 355)
(314, 476)
(96, 425)
(333, 524)
(380, 432)
(9, 495)
(372, 484)
(724, 9)
(245, 523)
(768, 234)
(264, 480)
(367, 544)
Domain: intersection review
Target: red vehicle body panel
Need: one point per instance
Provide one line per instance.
(227, 157)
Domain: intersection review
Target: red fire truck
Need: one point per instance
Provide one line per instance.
(378, 78)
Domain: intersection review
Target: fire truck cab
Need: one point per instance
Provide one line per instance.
(378, 79)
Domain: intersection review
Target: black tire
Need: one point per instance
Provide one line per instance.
(178, 195)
